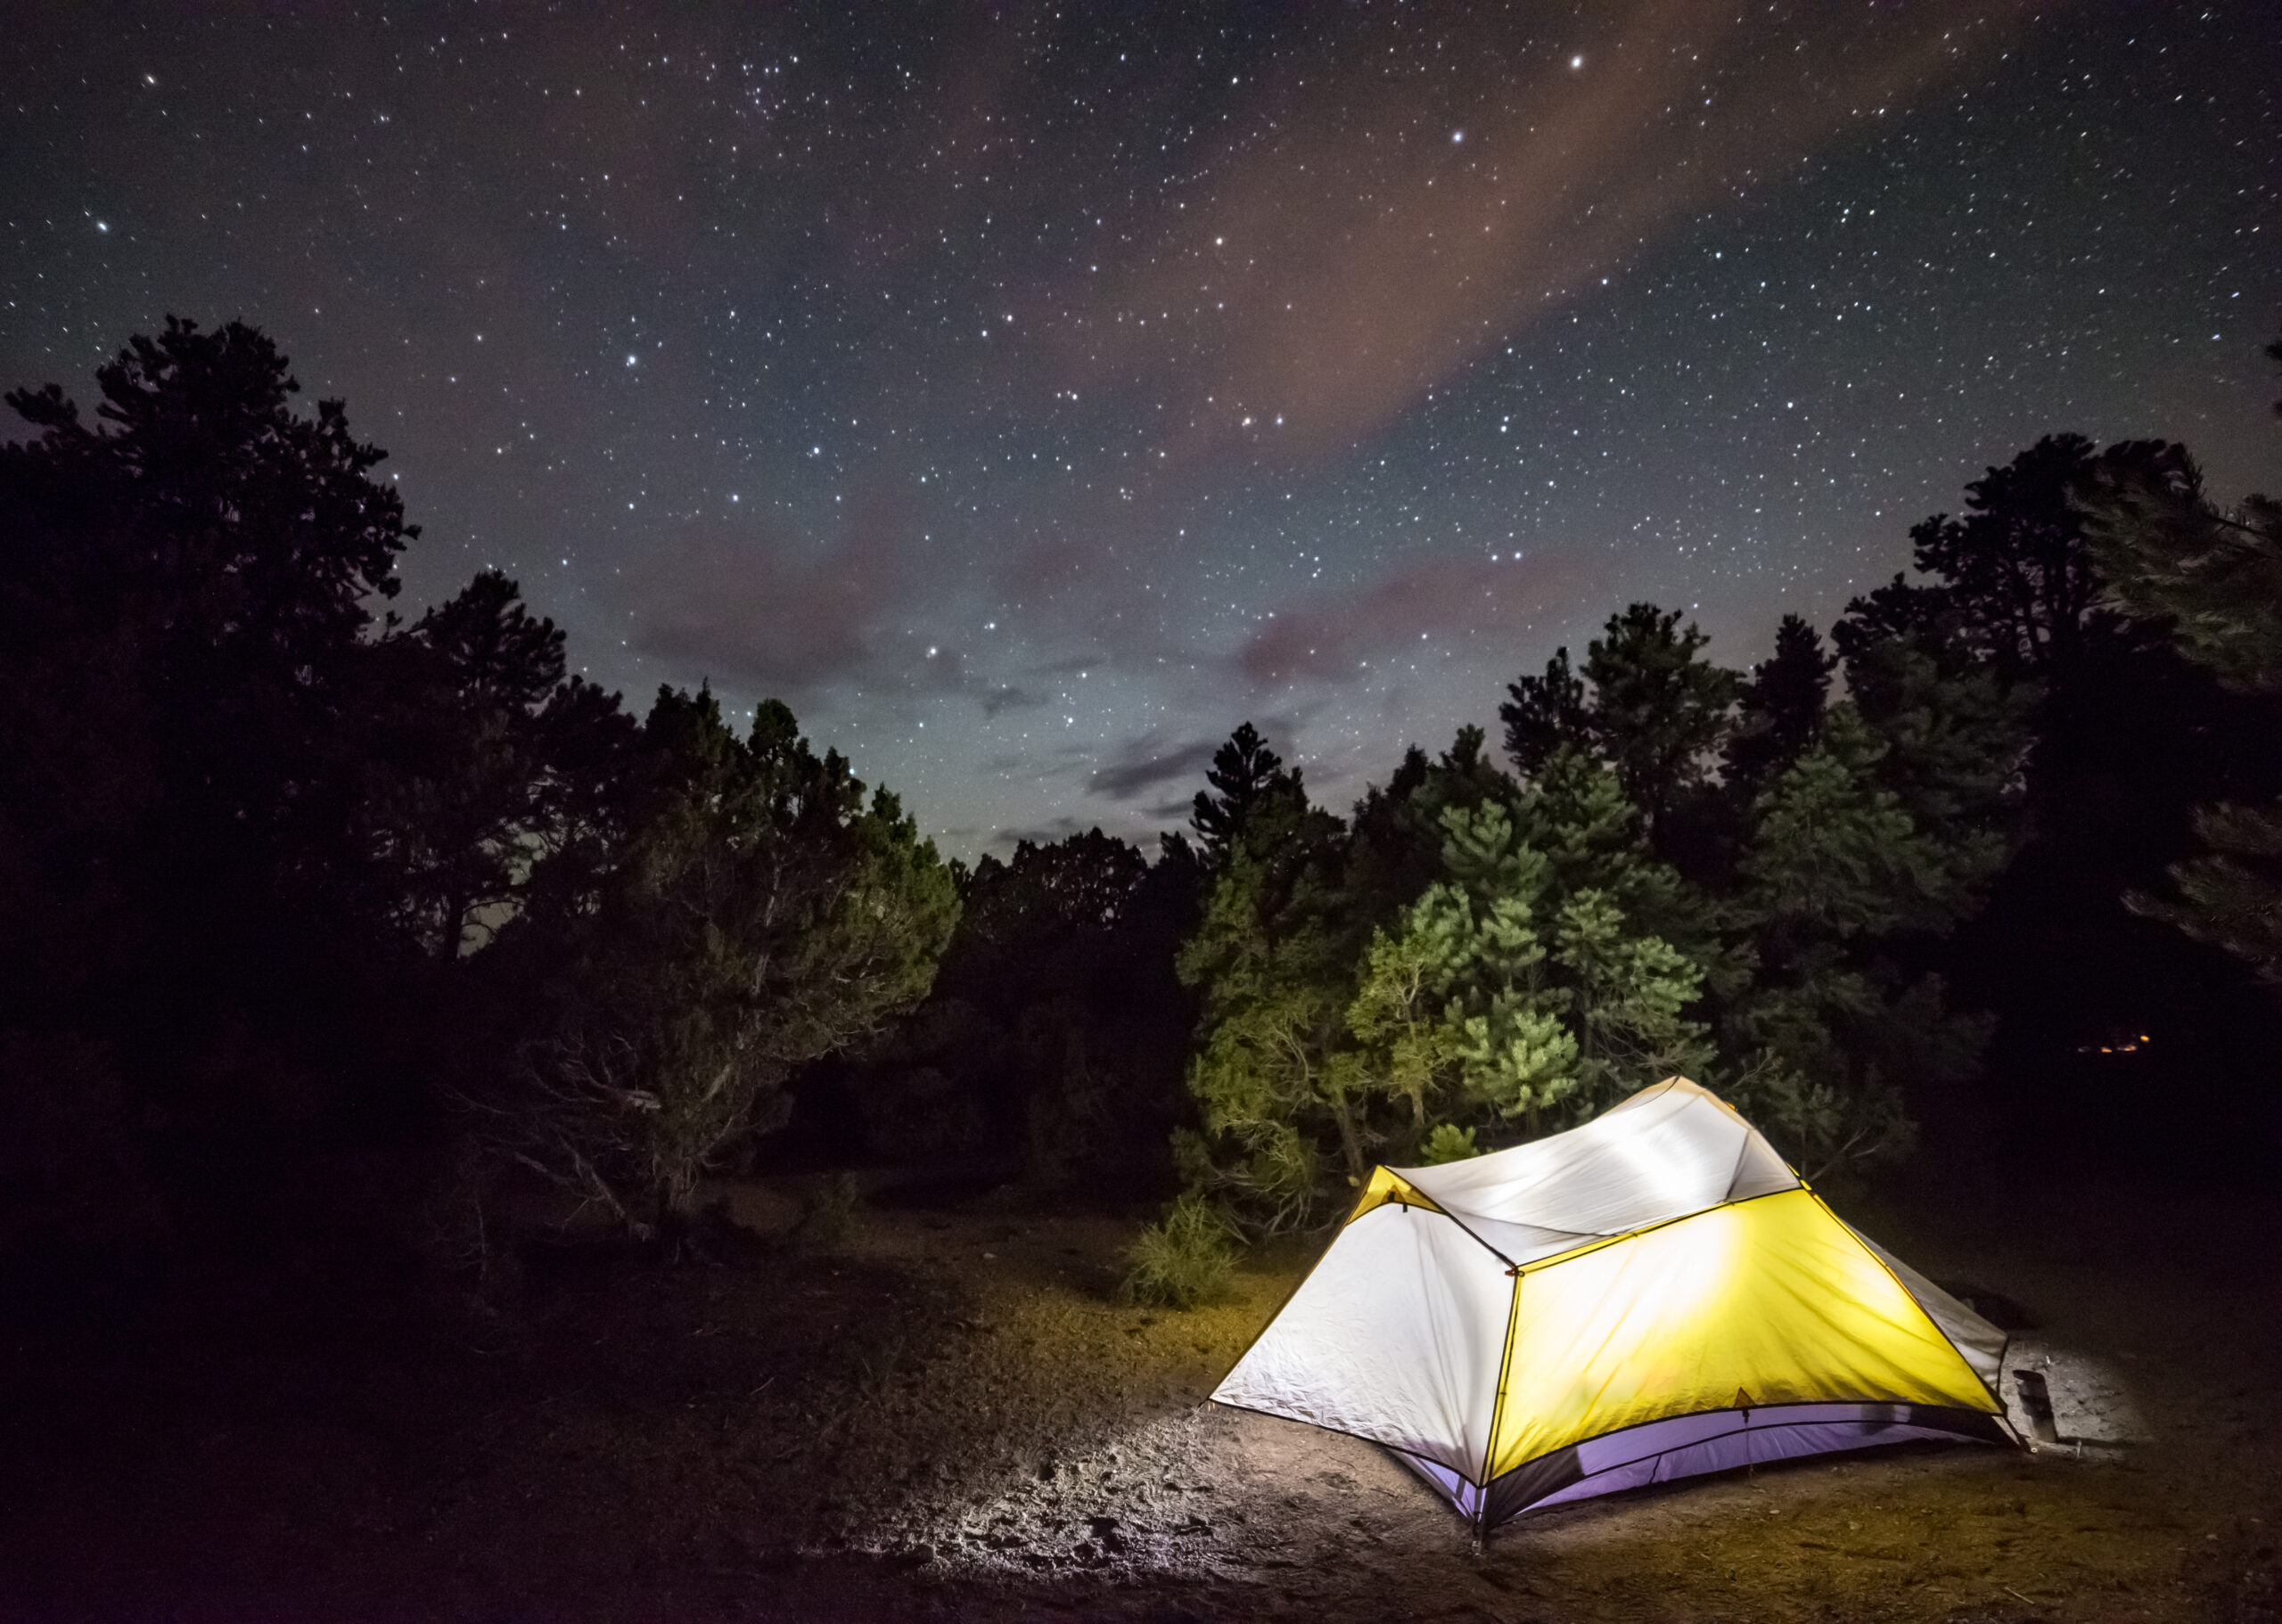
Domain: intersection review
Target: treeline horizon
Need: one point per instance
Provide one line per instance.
(331, 926)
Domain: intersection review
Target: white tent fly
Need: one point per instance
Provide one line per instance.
(1651, 1295)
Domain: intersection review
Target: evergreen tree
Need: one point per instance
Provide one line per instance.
(485, 759)
(1543, 714)
(759, 912)
(1524, 980)
(2213, 580)
(2174, 559)
(2015, 563)
(2119, 739)
(185, 594)
(1057, 1019)
(195, 954)
(1272, 963)
(1655, 712)
(1395, 842)
(1659, 711)
(1779, 708)
(1957, 735)
(1394, 845)
(1243, 771)
(1837, 869)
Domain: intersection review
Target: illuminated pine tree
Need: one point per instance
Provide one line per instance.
(1514, 989)
(1275, 974)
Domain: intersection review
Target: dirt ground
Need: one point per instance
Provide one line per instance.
(950, 1415)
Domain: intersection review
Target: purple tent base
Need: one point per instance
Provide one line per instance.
(1687, 1446)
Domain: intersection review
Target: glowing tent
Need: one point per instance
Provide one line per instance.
(1651, 1295)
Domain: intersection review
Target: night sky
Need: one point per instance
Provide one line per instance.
(1029, 395)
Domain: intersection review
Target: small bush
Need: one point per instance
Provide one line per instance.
(833, 1211)
(1183, 1260)
(1448, 1144)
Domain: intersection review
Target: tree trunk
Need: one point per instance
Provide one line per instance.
(1349, 1141)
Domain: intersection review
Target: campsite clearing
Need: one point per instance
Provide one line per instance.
(954, 1417)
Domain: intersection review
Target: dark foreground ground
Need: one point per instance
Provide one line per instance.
(951, 1416)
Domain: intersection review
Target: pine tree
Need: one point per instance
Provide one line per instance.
(1273, 968)
(1659, 711)
(1522, 984)
(1543, 714)
(1502, 1016)
(760, 912)
(1243, 771)
(1645, 704)
(2214, 579)
(1836, 867)
(1779, 708)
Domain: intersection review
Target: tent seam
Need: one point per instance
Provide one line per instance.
(1725, 1409)
(1426, 1204)
(1737, 1171)
(1731, 1409)
(1607, 1240)
(1497, 1403)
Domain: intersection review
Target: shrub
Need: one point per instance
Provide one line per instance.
(1184, 1259)
(1448, 1143)
(834, 1209)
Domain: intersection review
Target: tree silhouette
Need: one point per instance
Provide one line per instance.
(2213, 580)
(489, 758)
(258, 824)
(1779, 707)
(1541, 714)
(1655, 711)
(1245, 773)
(185, 591)
(2122, 738)
(758, 914)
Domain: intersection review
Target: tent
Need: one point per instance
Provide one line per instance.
(1649, 1296)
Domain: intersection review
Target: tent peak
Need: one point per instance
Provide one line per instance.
(1672, 1149)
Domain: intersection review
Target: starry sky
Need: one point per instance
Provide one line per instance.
(1028, 394)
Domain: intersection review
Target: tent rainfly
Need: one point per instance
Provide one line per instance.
(1651, 1295)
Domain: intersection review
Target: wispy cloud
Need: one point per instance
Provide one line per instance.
(1335, 636)
(1145, 764)
(1355, 250)
(760, 612)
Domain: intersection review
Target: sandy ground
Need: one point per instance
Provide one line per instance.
(2157, 1510)
(952, 1416)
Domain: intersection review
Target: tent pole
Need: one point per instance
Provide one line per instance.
(1496, 1409)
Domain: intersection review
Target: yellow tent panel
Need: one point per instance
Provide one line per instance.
(1773, 1299)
